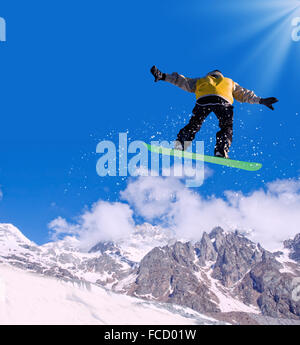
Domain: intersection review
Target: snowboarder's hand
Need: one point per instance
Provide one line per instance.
(158, 75)
(268, 102)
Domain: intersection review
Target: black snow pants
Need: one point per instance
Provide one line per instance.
(224, 113)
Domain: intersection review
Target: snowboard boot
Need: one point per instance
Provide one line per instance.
(178, 145)
(181, 146)
(222, 153)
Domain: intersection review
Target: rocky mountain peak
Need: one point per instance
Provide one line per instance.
(294, 246)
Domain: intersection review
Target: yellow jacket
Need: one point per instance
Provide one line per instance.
(209, 85)
(213, 85)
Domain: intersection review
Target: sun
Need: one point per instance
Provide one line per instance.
(274, 31)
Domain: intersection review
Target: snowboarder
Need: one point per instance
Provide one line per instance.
(214, 93)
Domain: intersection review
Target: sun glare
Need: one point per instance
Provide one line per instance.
(272, 29)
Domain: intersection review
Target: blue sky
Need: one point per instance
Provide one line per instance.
(74, 73)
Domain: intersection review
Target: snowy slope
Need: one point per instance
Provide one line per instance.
(29, 298)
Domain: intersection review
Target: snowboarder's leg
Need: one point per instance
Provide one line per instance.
(224, 136)
(188, 133)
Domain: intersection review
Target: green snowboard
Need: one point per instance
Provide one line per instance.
(249, 166)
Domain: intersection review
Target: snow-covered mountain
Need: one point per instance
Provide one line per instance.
(105, 264)
(223, 276)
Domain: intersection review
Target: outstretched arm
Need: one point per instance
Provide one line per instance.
(187, 84)
(246, 96)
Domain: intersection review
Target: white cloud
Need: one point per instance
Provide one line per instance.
(60, 226)
(152, 197)
(104, 222)
(286, 187)
(268, 216)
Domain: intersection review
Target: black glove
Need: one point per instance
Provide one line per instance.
(268, 102)
(158, 75)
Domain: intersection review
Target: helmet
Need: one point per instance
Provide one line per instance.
(215, 73)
